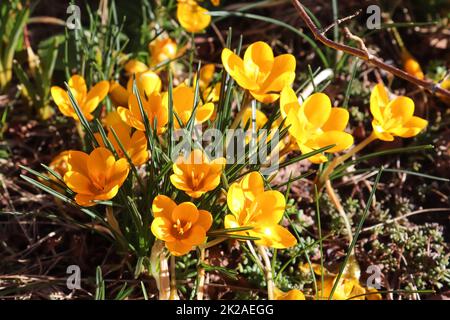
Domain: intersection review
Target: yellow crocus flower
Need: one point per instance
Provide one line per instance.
(260, 72)
(183, 106)
(195, 174)
(251, 206)
(153, 107)
(134, 144)
(192, 17)
(87, 101)
(393, 117)
(315, 124)
(95, 176)
(181, 226)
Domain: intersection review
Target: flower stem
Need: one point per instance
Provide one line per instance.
(338, 160)
(268, 270)
(164, 275)
(201, 276)
(340, 209)
(173, 280)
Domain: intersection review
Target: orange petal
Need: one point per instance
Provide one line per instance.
(163, 206)
(195, 236)
(161, 229)
(186, 212)
(204, 219)
(178, 248)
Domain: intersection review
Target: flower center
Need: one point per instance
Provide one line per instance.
(181, 228)
(196, 179)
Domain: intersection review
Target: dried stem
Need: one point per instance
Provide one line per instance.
(362, 54)
(173, 280)
(164, 278)
(340, 209)
(201, 276)
(268, 270)
(339, 21)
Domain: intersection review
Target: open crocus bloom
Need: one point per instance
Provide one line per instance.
(293, 294)
(87, 101)
(181, 226)
(251, 206)
(195, 174)
(154, 108)
(395, 117)
(135, 144)
(192, 17)
(260, 72)
(315, 124)
(183, 106)
(95, 176)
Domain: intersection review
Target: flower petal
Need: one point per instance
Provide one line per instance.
(342, 140)
(161, 228)
(258, 61)
(282, 74)
(97, 94)
(317, 109)
(337, 121)
(77, 161)
(204, 219)
(178, 248)
(77, 83)
(288, 101)
(195, 236)
(163, 206)
(234, 65)
(78, 183)
(274, 236)
(265, 97)
(411, 128)
(118, 173)
(252, 185)
(268, 208)
(186, 211)
(401, 108)
(192, 17)
(128, 117)
(236, 199)
(230, 222)
(378, 100)
(118, 94)
(61, 99)
(204, 112)
(100, 163)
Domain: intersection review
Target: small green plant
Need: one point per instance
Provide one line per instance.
(13, 17)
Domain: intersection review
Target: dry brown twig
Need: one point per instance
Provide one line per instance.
(365, 55)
